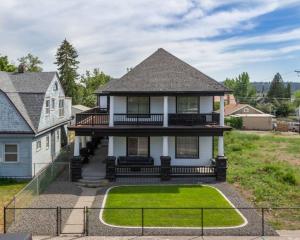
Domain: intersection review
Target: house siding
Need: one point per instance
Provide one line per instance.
(22, 168)
(10, 118)
(205, 150)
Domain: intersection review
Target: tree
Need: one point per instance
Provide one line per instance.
(288, 91)
(277, 88)
(243, 90)
(66, 60)
(31, 63)
(297, 98)
(90, 82)
(5, 65)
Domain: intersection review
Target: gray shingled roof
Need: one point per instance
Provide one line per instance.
(27, 91)
(163, 72)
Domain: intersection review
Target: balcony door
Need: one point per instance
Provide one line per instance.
(138, 105)
(187, 104)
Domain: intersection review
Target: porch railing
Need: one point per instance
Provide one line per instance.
(193, 170)
(193, 119)
(139, 119)
(92, 118)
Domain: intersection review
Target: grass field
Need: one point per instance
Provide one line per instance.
(8, 188)
(266, 169)
(172, 196)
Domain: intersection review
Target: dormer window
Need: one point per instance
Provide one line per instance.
(55, 86)
(47, 107)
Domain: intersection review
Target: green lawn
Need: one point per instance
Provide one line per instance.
(171, 196)
(8, 188)
(265, 167)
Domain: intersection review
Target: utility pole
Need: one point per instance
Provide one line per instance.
(298, 73)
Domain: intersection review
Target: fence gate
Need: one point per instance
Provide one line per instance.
(72, 221)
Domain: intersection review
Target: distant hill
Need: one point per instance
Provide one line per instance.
(263, 87)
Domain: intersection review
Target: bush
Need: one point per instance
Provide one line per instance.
(235, 122)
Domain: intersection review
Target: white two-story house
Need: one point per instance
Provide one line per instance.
(159, 114)
(34, 113)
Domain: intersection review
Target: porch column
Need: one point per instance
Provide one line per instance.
(76, 146)
(83, 142)
(110, 146)
(165, 146)
(221, 111)
(221, 146)
(111, 111)
(165, 111)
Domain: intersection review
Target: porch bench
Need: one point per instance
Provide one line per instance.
(136, 162)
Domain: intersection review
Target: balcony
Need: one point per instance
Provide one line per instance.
(97, 118)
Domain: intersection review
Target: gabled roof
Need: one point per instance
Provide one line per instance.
(27, 91)
(231, 109)
(163, 73)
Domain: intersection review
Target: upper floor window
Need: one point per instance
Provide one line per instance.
(10, 152)
(38, 145)
(48, 106)
(53, 103)
(246, 110)
(47, 141)
(55, 86)
(187, 147)
(61, 107)
(138, 105)
(187, 104)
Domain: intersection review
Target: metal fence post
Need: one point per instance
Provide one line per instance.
(262, 221)
(142, 221)
(202, 224)
(4, 220)
(57, 221)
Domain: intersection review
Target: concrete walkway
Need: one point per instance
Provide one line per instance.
(75, 222)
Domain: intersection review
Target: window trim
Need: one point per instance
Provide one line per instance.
(148, 155)
(47, 137)
(246, 110)
(149, 106)
(61, 108)
(38, 149)
(3, 157)
(176, 106)
(198, 149)
(55, 86)
(57, 134)
(47, 99)
(52, 108)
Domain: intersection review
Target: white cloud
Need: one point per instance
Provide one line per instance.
(114, 35)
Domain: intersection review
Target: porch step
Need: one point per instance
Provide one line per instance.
(92, 182)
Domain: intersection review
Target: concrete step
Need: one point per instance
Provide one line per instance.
(92, 182)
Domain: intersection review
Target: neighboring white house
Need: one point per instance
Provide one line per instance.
(33, 122)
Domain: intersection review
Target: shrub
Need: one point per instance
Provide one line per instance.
(235, 122)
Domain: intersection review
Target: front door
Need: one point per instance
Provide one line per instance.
(53, 143)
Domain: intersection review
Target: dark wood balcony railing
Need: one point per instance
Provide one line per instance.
(139, 119)
(92, 118)
(194, 119)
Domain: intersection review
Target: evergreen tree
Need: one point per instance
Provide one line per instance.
(31, 63)
(66, 60)
(277, 88)
(288, 91)
(5, 65)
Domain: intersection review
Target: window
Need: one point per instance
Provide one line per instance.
(47, 106)
(11, 152)
(138, 105)
(138, 146)
(53, 103)
(55, 86)
(47, 142)
(246, 110)
(57, 134)
(38, 145)
(61, 107)
(187, 147)
(187, 104)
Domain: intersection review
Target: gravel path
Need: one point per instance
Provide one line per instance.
(253, 228)
(43, 221)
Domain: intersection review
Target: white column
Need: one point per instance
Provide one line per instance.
(221, 111)
(165, 146)
(111, 111)
(165, 111)
(76, 146)
(83, 142)
(221, 146)
(110, 146)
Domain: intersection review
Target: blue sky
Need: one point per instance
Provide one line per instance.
(220, 38)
